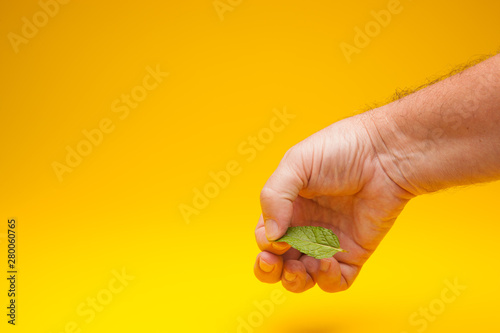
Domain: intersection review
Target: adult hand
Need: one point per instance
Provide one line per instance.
(333, 179)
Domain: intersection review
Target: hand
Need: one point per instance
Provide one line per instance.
(333, 179)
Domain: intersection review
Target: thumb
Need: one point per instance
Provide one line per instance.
(278, 194)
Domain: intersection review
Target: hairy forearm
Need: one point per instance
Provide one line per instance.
(445, 135)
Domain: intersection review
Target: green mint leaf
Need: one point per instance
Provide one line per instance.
(317, 242)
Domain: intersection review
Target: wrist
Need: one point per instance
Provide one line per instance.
(395, 149)
(444, 135)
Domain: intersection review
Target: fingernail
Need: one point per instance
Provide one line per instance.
(290, 276)
(324, 265)
(265, 266)
(272, 230)
(279, 246)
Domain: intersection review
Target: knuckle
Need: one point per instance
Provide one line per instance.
(291, 153)
(266, 193)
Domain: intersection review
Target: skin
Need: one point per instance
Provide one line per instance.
(355, 176)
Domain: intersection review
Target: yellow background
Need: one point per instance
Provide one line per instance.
(120, 206)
